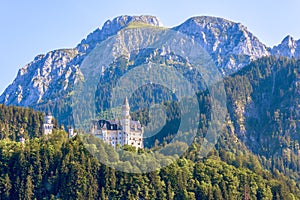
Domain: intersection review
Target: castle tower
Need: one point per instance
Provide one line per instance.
(48, 125)
(125, 120)
(22, 140)
(71, 132)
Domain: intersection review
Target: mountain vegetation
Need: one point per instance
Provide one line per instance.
(56, 167)
(257, 155)
(248, 162)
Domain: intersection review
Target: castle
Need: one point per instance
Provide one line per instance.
(48, 125)
(119, 132)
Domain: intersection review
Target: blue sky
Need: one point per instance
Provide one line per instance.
(32, 27)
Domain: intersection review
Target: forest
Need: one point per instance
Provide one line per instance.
(256, 156)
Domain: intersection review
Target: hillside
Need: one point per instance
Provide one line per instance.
(59, 168)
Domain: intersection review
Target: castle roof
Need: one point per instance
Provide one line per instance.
(126, 101)
(106, 124)
(115, 124)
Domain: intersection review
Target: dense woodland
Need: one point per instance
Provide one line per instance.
(57, 167)
(256, 157)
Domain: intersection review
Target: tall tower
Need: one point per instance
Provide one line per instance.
(125, 121)
(48, 126)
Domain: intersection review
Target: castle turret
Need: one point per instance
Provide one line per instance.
(125, 121)
(22, 140)
(48, 125)
(72, 133)
(126, 108)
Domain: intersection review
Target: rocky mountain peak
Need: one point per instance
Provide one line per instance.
(289, 41)
(51, 76)
(111, 27)
(289, 47)
(205, 21)
(230, 44)
(123, 20)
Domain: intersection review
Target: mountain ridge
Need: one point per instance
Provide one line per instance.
(289, 47)
(230, 45)
(224, 40)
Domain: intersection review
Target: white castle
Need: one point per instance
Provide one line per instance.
(48, 125)
(119, 132)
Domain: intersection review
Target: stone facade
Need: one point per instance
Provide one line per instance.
(119, 132)
(48, 125)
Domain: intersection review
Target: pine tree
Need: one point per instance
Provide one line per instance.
(5, 187)
(170, 192)
(217, 192)
(28, 189)
(103, 195)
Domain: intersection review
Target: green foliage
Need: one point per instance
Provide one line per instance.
(259, 163)
(70, 172)
(18, 122)
(263, 100)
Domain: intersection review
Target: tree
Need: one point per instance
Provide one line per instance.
(5, 187)
(217, 192)
(103, 195)
(29, 189)
(170, 192)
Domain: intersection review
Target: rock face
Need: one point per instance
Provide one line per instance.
(289, 47)
(111, 27)
(230, 44)
(52, 76)
(41, 79)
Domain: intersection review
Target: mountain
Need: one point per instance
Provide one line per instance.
(255, 157)
(230, 44)
(45, 77)
(289, 47)
(263, 102)
(52, 76)
(111, 27)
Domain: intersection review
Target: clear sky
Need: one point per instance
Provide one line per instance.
(32, 27)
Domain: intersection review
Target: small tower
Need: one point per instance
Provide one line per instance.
(125, 121)
(48, 125)
(71, 132)
(22, 140)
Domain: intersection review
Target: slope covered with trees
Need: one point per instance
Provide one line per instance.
(263, 100)
(256, 157)
(18, 122)
(58, 168)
